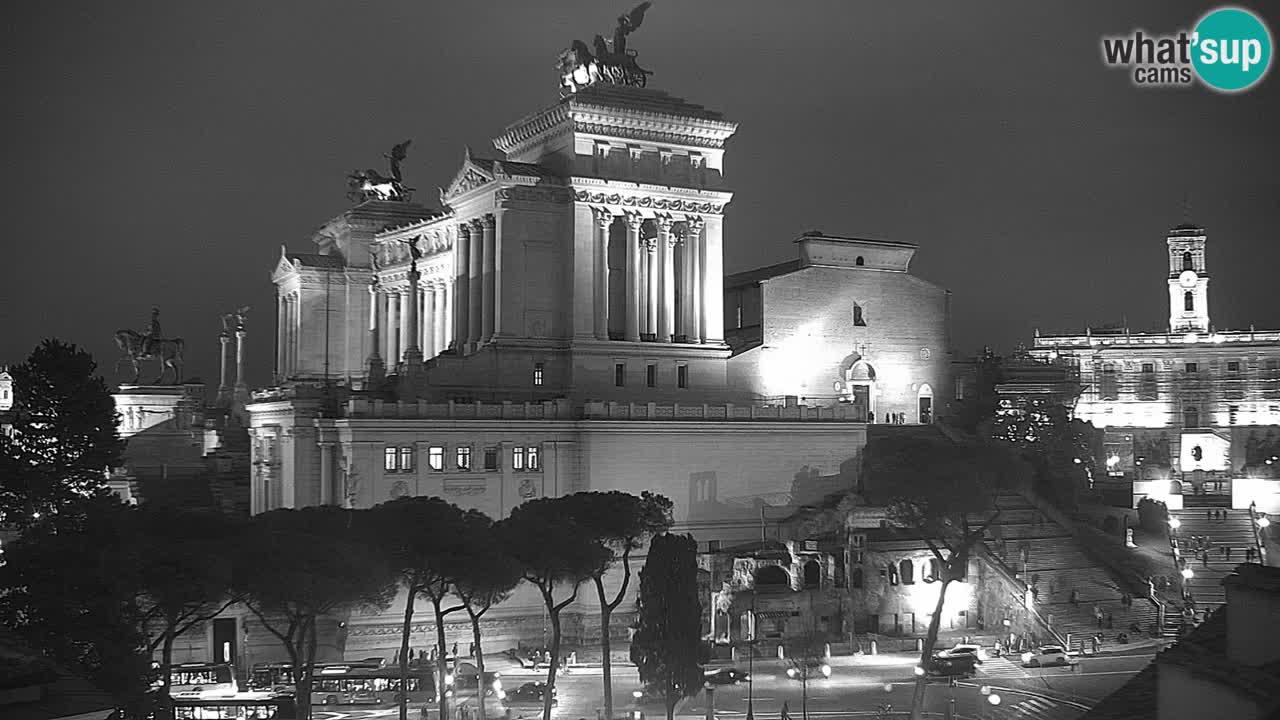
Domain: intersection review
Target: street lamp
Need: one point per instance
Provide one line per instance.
(1175, 523)
(1264, 522)
(1187, 573)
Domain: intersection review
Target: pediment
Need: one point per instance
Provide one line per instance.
(470, 176)
(284, 267)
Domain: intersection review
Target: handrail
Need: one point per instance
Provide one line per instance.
(1011, 576)
(1257, 533)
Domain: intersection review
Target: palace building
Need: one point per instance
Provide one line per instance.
(563, 323)
(1193, 408)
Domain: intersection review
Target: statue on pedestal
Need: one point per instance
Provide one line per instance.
(373, 185)
(615, 64)
(136, 347)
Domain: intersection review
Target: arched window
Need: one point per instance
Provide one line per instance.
(772, 576)
(935, 571)
(907, 571)
(1188, 301)
(1175, 487)
(1190, 417)
(858, 320)
(855, 579)
(859, 262)
(812, 574)
(1188, 261)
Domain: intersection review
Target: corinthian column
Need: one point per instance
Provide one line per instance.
(461, 287)
(651, 287)
(633, 277)
(282, 323)
(410, 325)
(441, 324)
(475, 272)
(393, 318)
(693, 241)
(667, 281)
(603, 219)
(488, 307)
(224, 383)
(375, 369)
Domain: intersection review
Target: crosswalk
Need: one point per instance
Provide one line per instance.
(1001, 667)
(1034, 708)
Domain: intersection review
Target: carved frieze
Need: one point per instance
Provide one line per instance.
(647, 202)
(648, 134)
(533, 194)
(463, 488)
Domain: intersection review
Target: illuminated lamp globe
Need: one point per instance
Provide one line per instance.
(994, 699)
(1188, 573)
(1264, 522)
(919, 671)
(1175, 523)
(985, 689)
(637, 694)
(888, 687)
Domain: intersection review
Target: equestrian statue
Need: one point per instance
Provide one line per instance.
(152, 345)
(612, 62)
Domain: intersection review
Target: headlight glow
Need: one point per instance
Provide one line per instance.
(826, 670)
(791, 672)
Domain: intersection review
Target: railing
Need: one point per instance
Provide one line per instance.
(652, 411)
(546, 410)
(1261, 546)
(1011, 576)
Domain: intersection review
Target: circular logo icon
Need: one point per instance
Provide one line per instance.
(1231, 49)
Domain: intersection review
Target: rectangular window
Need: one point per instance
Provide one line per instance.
(531, 458)
(959, 389)
(1147, 389)
(517, 458)
(619, 374)
(1192, 367)
(389, 459)
(537, 373)
(491, 458)
(464, 457)
(1109, 386)
(682, 376)
(1233, 412)
(1233, 366)
(435, 458)
(650, 375)
(406, 459)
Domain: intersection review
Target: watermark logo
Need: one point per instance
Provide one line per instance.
(1228, 51)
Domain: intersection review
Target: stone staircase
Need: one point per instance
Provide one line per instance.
(1236, 532)
(1049, 559)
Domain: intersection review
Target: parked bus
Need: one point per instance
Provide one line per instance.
(241, 706)
(278, 677)
(201, 680)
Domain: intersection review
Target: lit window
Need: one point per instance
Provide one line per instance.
(389, 459)
(406, 459)
(537, 373)
(517, 458)
(435, 458)
(959, 389)
(531, 456)
(651, 375)
(464, 457)
(491, 458)
(682, 376)
(619, 374)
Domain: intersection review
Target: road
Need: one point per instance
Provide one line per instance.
(856, 688)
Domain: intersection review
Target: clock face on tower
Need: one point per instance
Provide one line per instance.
(1188, 279)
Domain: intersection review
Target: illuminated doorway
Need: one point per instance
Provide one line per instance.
(924, 404)
(860, 379)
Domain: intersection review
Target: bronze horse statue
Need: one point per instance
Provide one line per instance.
(135, 347)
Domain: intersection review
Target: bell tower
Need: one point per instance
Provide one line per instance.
(1188, 280)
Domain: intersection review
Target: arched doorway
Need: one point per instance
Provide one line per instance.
(772, 576)
(812, 574)
(924, 404)
(860, 384)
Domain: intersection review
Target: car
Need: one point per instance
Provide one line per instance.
(976, 651)
(808, 669)
(726, 676)
(530, 692)
(1047, 655)
(466, 675)
(962, 665)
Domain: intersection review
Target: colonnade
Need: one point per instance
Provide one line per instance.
(652, 280)
(390, 317)
(288, 326)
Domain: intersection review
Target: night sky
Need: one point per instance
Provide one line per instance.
(159, 153)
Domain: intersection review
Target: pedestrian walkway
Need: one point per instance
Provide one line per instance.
(1002, 667)
(1222, 529)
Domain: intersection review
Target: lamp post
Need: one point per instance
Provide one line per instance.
(751, 660)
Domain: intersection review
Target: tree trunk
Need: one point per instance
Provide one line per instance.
(441, 661)
(481, 689)
(404, 653)
(606, 612)
(555, 654)
(303, 666)
(166, 663)
(926, 655)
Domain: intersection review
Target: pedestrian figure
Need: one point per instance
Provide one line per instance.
(1204, 559)
(1110, 621)
(1228, 547)
(1208, 515)
(1248, 554)
(1075, 597)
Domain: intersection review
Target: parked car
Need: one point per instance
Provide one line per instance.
(466, 676)
(530, 692)
(1047, 655)
(726, 676)
(808, 669)
(976, 651)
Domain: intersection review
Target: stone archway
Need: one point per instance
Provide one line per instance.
(860, 386)
(924, 404)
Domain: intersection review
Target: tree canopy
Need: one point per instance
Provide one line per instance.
(667, 648)
(64, 438)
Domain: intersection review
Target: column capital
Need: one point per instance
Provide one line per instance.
(649, 244)
(464, 228)
(634, 220)
(665, 222)
(603, 217)
(694, 223)
(489, 221)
